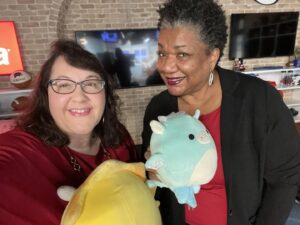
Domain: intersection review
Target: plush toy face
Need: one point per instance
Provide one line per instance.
(182, 151)
(114, 194)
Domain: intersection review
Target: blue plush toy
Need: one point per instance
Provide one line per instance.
(183, 154)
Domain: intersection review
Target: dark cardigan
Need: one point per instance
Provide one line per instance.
(260, 152)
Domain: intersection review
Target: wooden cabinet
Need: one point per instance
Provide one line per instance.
(287, 81)
(7, 96)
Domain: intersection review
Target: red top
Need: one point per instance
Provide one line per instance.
(211, 200)
(31, 172)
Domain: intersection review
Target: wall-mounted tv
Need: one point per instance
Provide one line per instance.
(128, 55)
(257, 35)
(10, 56)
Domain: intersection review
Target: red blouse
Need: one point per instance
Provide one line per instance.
(31, 172)
(211, 200)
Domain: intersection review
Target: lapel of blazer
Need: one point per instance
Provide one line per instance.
(230, 114)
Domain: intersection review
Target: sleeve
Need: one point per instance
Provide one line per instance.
(282, 164)
(146, 133)
(14, 183)
(160, 105)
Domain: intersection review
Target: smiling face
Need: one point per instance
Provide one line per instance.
(76, 113)
(184, 61)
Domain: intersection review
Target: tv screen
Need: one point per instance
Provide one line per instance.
(257, 35)
(129, 56)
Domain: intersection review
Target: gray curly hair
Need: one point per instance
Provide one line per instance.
(206, 17)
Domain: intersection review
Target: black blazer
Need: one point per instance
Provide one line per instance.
(260, 152)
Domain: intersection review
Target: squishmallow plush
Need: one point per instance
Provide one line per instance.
(114, 194)
(183, 154)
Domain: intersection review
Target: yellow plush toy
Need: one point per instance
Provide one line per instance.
(114, 194)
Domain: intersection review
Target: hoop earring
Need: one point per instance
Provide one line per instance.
(211, 79)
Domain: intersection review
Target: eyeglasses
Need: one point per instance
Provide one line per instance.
(66, 86)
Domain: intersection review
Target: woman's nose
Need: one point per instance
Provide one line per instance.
(79, 93)
(167, 64)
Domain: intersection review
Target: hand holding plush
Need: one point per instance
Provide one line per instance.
(183, 154)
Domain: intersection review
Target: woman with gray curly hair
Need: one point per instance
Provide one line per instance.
(254, 132)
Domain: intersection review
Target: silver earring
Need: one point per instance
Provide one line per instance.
(211, 79)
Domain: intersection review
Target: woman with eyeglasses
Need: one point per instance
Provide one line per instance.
(69, 128)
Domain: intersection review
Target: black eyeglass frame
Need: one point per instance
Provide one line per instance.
(102, 83)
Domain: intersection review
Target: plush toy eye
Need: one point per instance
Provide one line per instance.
(191, 137)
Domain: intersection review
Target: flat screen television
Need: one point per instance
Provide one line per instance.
(257, 35)
(128, 55)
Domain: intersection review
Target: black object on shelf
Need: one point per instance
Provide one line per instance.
(294, 112)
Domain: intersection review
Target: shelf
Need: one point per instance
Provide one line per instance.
(291, 93)
(285, 88)
(297, 119)
(290, 102)
(285, 69)
(290, 76)
(5, 91)
(7, 96)
(8, 114)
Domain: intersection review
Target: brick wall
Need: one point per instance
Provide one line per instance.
(40, 22)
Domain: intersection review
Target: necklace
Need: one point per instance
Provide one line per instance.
(75, 164)
(73, 161)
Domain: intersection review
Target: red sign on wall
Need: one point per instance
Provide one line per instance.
(10, 57)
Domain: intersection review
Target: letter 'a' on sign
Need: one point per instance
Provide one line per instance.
(10, 57)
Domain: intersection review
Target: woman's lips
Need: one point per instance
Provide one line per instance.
(80, 112)
(174, 81)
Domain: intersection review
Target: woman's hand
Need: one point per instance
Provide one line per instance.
(147, 154)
